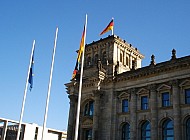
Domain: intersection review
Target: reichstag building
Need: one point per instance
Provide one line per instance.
(123, 101)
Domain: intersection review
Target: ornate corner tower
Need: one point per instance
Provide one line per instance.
(115, 54)
(104, 58)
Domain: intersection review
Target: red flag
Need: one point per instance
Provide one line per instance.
(109, 27)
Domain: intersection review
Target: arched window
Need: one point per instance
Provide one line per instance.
(168, 130)
(89, 109)
(188, 129)
(126, 132)
(145, 131)
(88, 134)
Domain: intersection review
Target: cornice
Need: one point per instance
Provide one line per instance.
(110, 40)
(101, 41)
(160, 68)
(141, 73)
(86, 83)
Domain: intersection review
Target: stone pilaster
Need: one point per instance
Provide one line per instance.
(4, 130)
(97, 95)
(133, 115)
(114, 123)
(72, 113)
(176, 110)
(154, 112)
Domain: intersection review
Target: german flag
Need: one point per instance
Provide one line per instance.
(80, 51)
(109, 27)
(81, 46)
(75, 71)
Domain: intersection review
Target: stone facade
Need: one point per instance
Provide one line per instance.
(121, 101)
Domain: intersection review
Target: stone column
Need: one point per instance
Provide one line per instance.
(130, 60)
(176, 110)
(154, 112)
(133, 115)
(72, 113)
(124, 57)
(97, 95)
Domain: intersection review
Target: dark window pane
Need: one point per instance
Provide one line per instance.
(145, 131)
(144, 102)
(89, 109)
(148, 133)
(170, 132)
(126, 132)
(88, 135)
(86, 109)
(121, 57)
(187, 96)
(167, 130)
(188, 129)
(125, 107)
(127, 61)
(165, 99)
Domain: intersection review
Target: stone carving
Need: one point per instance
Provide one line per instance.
(152, 62)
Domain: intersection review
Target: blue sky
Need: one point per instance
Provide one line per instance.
(152, 26)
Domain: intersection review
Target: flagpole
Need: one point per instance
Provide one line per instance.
(49, 87)
(80, 88)
(25, 91)
(113, 27)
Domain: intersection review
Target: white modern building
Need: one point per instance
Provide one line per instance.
(9, 129)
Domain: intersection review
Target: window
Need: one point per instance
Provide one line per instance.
(127, 61)
(89, 109)
(96, 58)
(12, 130)
(187, 96)
(104, 58)
(145, 131)
(134, 64)
(88, 134)
(1, 129)
(125, 105)
(165, 99)
(121, 57)
(36, 133)
(144, 102)
(126, 132)
(188, 129)
(168, 130)
(88, 61)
